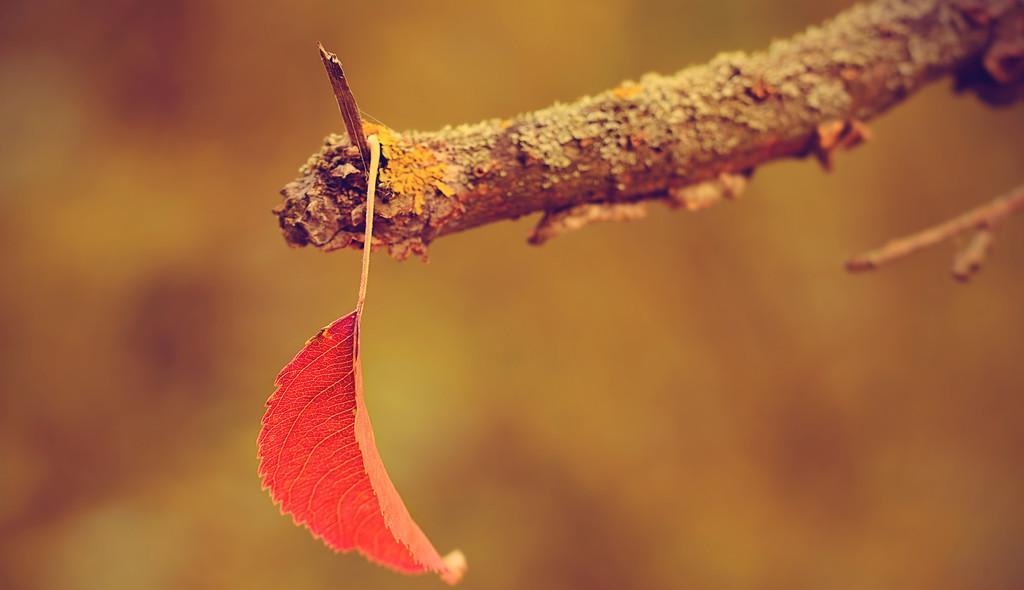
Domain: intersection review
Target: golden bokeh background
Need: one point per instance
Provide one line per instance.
(692, 401)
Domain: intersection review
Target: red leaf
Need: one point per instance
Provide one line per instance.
(319, 460)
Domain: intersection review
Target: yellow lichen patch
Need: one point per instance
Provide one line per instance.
(627, 91)
(411, 170)
(444, 188)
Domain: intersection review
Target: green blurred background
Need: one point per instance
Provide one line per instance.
(692, 401)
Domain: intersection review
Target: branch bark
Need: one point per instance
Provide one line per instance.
(804, 96)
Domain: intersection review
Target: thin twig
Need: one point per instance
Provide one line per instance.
(968, 261)
(346, 102)
(983, 217)
(696, 197)
(556, 223)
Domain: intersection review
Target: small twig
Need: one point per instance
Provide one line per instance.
(346, 102)
(984, 217)
(968, 260)
(696, 197)
(556, 223)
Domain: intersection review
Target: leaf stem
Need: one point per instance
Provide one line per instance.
(371, 191)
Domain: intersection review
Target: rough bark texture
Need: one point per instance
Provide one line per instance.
(807, 95)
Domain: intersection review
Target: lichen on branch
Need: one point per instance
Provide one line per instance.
(808, 95)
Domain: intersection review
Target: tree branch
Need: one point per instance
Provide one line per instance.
(805, 96)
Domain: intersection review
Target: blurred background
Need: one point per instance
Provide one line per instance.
(731, 412)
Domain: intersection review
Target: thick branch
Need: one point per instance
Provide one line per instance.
(641, 140)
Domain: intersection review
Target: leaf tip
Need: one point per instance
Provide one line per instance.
(455, 566)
